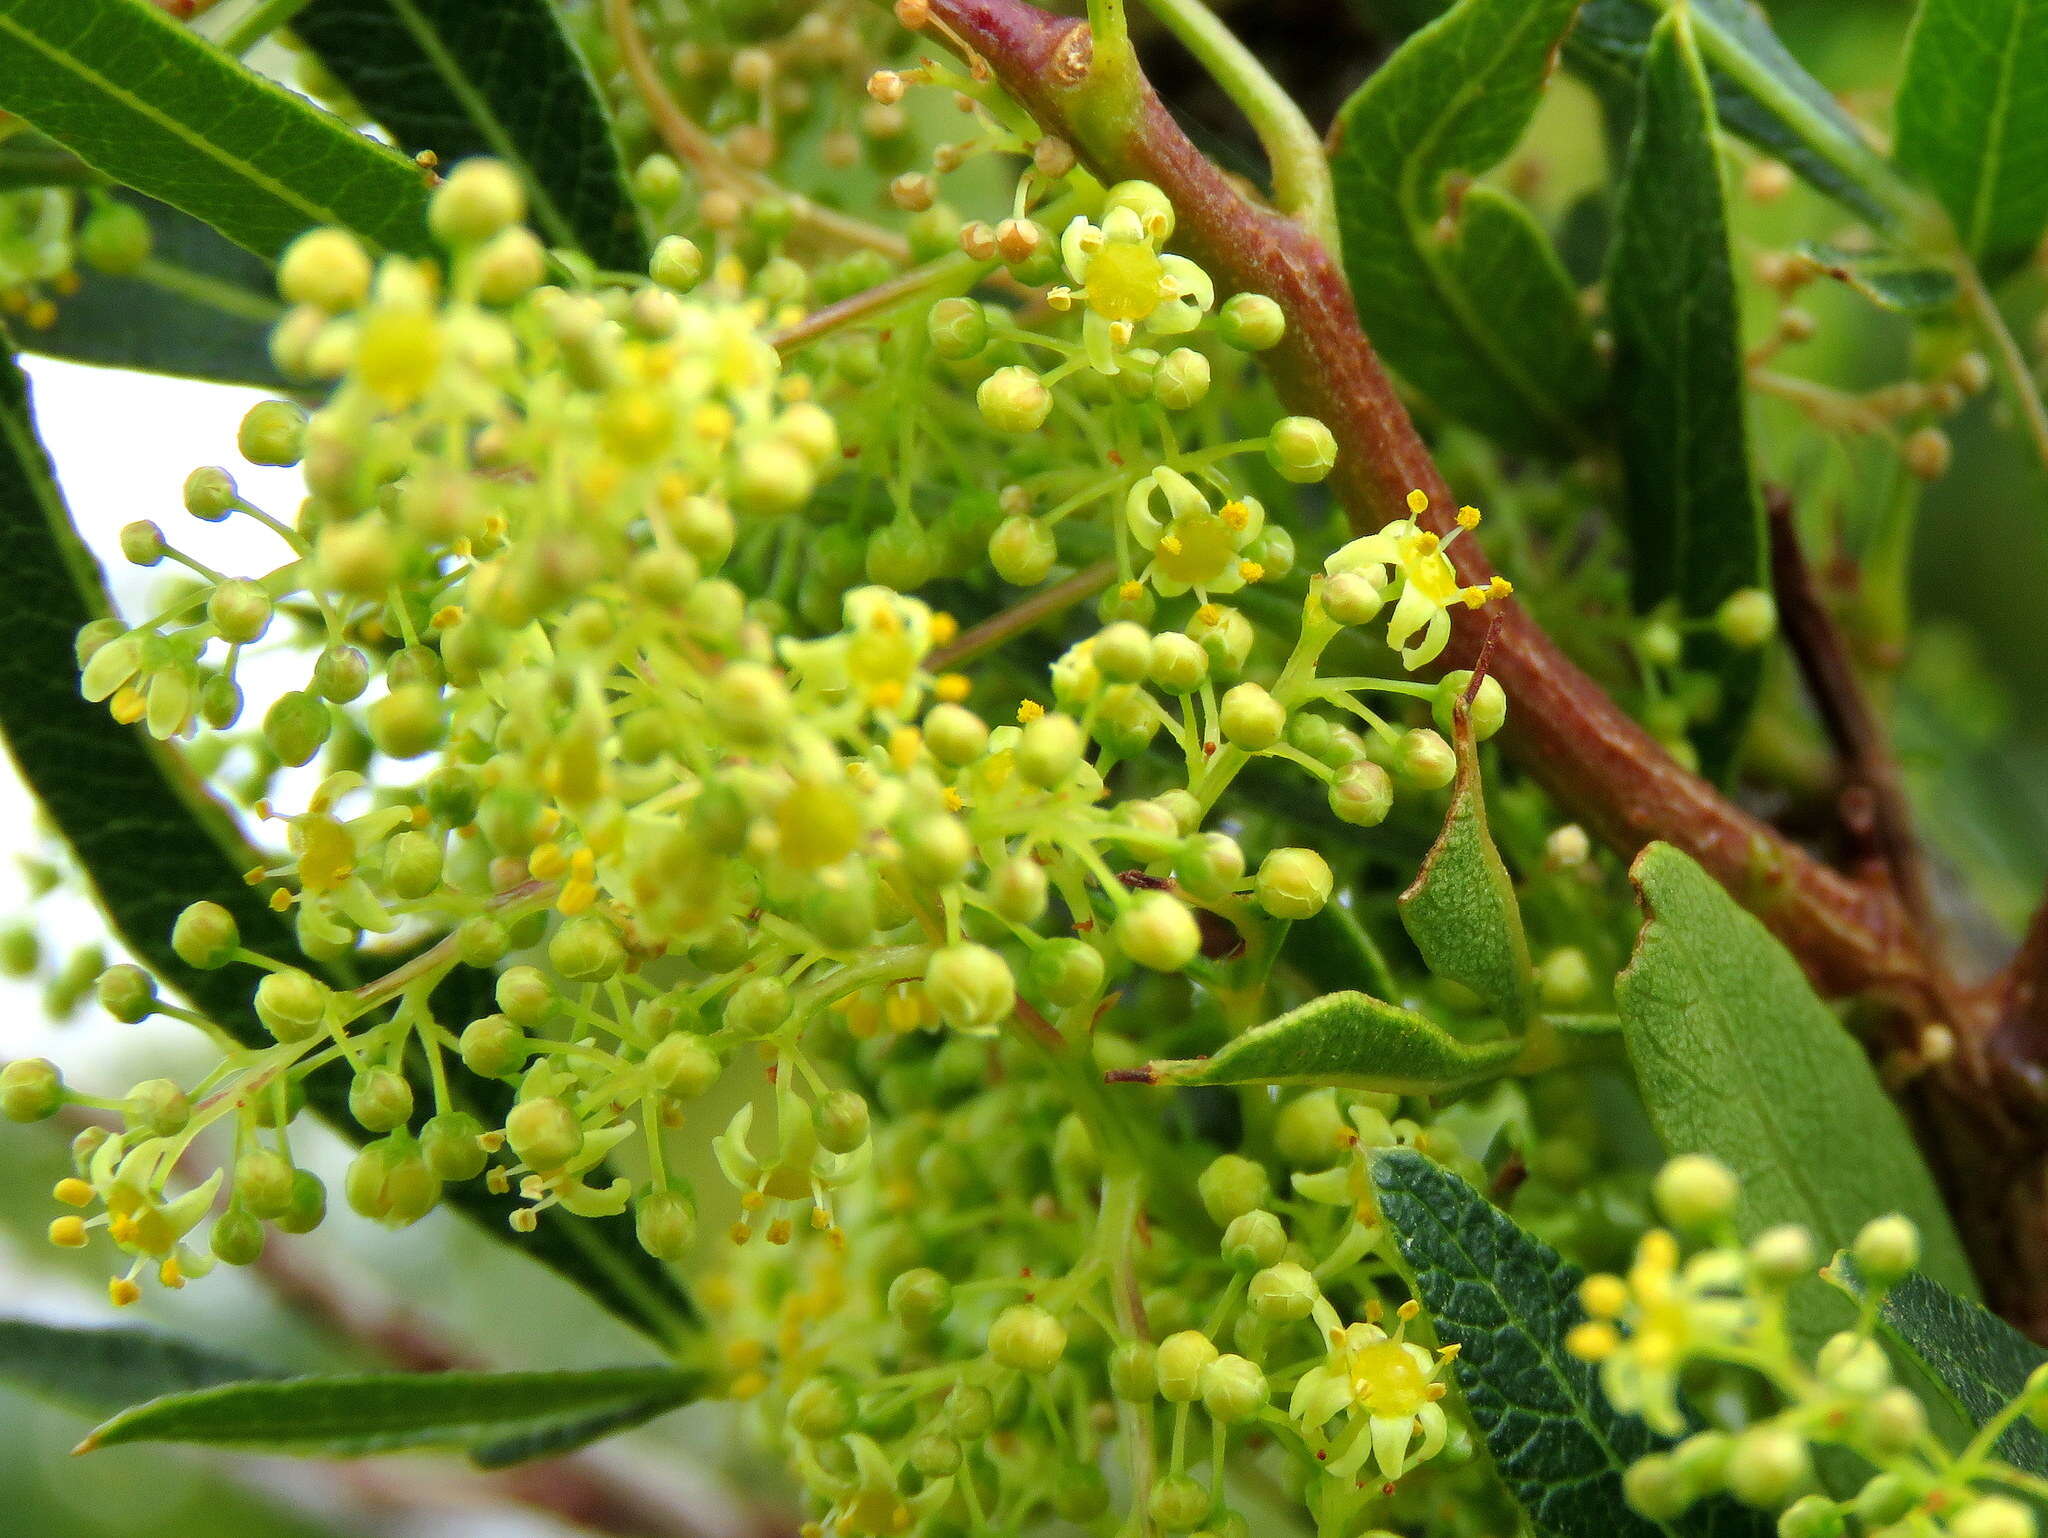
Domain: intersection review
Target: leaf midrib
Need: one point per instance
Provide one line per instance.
(1984, 195)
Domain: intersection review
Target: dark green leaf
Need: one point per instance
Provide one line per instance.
(1973, 121)
(141, 99)
(343, 1417)
(150, 840)
(1334, 950)
(201, 307)
(1760, 92)
(1350, 1040)
(1455, 283)
(1736, 1057)
(1980, 1362)
(1903, 284)
(461, 78)
(1506, 1300)
(551, 1440)
(99, 1371)
(1461, 912)
(1695, 521)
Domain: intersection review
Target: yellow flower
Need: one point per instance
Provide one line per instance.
(1125, 282)
(1194, 547)
(1385, 1385)
(1407, 560)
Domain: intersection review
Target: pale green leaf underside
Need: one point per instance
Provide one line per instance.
(99, 1371)
(1463, 292)
(1973, 121)
(141, 99)
(1736, 1057)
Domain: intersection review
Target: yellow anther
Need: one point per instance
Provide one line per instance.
(255, 875)
(751, 1385)
(68, 1232)
(171, 1274)
(547, 862)
(1418, 502)
(73, 1192)
(1028, 712)
(1593, 1341)
(576, 897)
(780, 1231)
(944, 628)
(583, 864)
(1499, 587)
(1473, 597)
(1604, 1296)
(280, 900)
(1234, 514)
(524, 1221)
(955, 802)
(1170, 543)
(1251, 571)
(906, 743)
(1131, 592)
(886, 695)
(1209, 614)
(121, 1292)
(447, 617)
(952, 687)
(1468, 517)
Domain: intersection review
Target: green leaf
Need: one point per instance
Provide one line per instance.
(98, 1371)
(341, 1417)
(201, 307)
(1506, 1300)
(504, 79)
(1454, 282)
(1695, 521)
(1350, 1040)
(1461, 912)
(1973, 122)
(1334, 950)
(1736, 1057)
(1903, 284)
(1760, 92)
(1980, 1362)
(150, 840)
(142, 100)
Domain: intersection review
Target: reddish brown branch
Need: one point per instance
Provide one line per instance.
(1601, 767)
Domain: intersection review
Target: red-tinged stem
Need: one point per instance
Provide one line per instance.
(1599, 765)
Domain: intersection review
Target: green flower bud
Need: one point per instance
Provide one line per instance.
(1660, 643)
(205, 936)
(157, 1108)
(1251, 322)
(822, 1407)
(1017, 889)
(142, 543)
(1179, 664)
(452, 1147)
(1885, 1499)
(665, 1223)
(115, 238)
(1293, 883)
(272, 433)
(1653, 1487)
(309, 1204)
(1362, 794)
(408, 722)
(1181, 1358)
(509, 267)
(1782, 1255)
(1894, 1422)
(1156, 930)
(544, 1132)
(1022, 550)
(340, 674)
(1181, 380)
(842, 1121)
(296, 726)
(1232, 1389)
(1747, 618)
(1026, 1337)
(1254, 1240)
(1080, 1493)
(1134, 1372)
(772, 477)
(492, 1047)
(969, 1411)
(937, 849)
(1122, 652)
(1178, 1503)
(1695, 1193)
(264, 1183)
(1350, 598)
(210, 493)
(1049, 750)
(970, 986)
(678, 264)
(380, 1099)
(412, 864)
(1064, 972)
(478, 198)
(1210, 866)
(919, 1299)
(757, 1007)
(1886, 1249)
(1311, 1130)
(1853, 1363)
(1767, 1466)
(291, 1004)
(31, 1089)
(1489, 706)
(1564, 978)
(220, 702)
(683, 1065)
(1990, 1516)
(482, 941)
(127, 993)
(389, 1183)
(326, 268)
(657, 182)
(751, 705)
(1251, 718)
(1283, 1292)
(1423, 759)
(1301, 449)
(1014, 400)
(955, 734)
(586, 950)
(1231, 1186)
(958, 328)
(237, 1238)
(1225, 634)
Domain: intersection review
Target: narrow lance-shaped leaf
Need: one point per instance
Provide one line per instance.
(1455, 282)
(1973, 122)
(1695, 521)
(1905, 285)
(153, 106)
(150, 840)
(1736, 1057)
(98, 1371)
(1345, 1039)
(1980, 1362)
(1507, 1300)
(1461, 912)
(387, 1412)
(504, 79)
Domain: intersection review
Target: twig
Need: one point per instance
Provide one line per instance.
(1873, 802)
(707, 157)
(944, 272)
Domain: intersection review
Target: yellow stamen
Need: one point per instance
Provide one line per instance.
(1028, 712)
(1417, 502)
